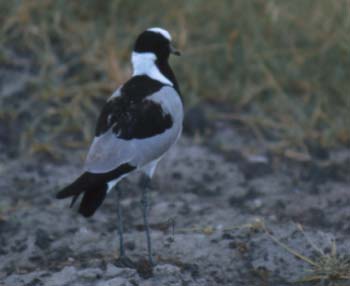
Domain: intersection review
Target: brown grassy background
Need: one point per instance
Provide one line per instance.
(279, 67)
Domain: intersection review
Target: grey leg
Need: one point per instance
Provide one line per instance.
(120, 225)
(123, 260)
(144, 201)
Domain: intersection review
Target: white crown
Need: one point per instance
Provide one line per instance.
(161, 31)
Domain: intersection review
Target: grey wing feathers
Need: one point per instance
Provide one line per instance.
(107, 151)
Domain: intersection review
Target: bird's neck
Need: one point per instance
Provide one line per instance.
(166, 70)
(147, 64)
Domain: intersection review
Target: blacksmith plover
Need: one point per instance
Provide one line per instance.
(138, 124)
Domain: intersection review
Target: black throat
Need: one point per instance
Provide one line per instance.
(166, 70)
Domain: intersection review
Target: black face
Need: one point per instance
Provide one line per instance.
(152, 42)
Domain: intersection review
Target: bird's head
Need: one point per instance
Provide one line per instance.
(151, 53)
(156, 41)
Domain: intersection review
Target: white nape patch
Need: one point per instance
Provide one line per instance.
(144, 64)
(161, 31)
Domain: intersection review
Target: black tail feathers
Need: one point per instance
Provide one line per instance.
(92, 199)
(74, 189)
(94, 190)
(94, 186)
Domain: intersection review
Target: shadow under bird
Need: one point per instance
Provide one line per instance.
(138, 124)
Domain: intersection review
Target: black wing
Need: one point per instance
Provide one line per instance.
(131, 115)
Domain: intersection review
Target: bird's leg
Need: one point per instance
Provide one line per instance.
(146, 185)
(120, 225)
(123, 260)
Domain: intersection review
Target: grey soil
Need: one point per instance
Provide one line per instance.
(208, 205)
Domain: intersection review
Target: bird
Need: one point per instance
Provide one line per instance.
(138, 124)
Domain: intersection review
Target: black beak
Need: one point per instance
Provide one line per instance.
(174, 51)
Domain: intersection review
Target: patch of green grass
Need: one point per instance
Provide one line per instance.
(283, 66)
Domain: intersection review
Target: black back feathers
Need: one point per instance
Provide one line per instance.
(131, 114)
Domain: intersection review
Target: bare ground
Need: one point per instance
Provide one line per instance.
(220, 210)
(210, 214)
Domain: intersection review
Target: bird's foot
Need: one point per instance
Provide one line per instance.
(145, 268)
(125, 262)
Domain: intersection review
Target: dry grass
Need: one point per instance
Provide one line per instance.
(283, 66)
(327, 268)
